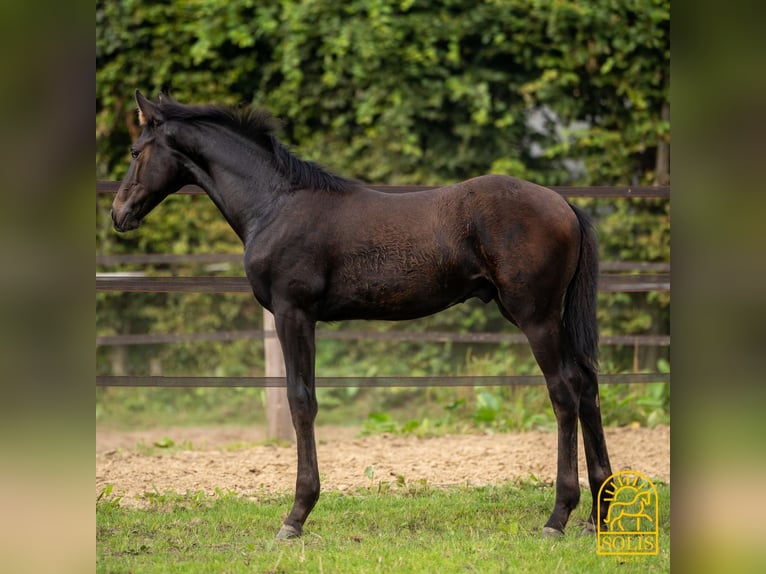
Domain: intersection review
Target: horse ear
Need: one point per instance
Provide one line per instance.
(148, 112)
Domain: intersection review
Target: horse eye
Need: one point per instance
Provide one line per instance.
(134, 153)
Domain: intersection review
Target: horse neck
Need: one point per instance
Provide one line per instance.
(238, 176)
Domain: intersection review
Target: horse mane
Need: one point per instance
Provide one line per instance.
(259, 125)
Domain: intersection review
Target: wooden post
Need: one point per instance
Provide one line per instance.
(279, 423)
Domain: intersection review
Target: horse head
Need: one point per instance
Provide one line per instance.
(156, 169)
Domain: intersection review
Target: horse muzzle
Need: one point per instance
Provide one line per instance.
(125, 221)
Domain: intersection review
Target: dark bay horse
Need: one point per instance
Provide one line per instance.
(320, 247)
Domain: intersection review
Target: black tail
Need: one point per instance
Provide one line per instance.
(579, 319)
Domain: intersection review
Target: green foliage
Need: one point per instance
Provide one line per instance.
(391, 92)
(623, 405)
(509, 410)
(400, 528)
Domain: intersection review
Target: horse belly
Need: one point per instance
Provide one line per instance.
(408, 289)
(387, 302)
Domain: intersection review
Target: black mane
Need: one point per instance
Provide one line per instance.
(259, 126)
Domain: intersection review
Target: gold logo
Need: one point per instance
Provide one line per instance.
(631, 526)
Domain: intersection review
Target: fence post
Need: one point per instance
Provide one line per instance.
(278, 421)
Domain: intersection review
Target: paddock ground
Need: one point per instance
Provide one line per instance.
(239, 460)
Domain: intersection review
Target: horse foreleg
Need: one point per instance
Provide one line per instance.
(296, 335)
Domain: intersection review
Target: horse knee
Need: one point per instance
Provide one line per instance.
(302, 401)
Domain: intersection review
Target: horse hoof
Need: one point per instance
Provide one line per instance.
(549, 532)
(589, 528)
(288, 532)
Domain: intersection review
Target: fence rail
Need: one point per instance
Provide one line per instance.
(362, 335)
(607, 283)
(346, 382)
(215, 258)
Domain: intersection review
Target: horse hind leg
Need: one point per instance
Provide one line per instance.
(573, 391)
(596, 456)
(564, 387)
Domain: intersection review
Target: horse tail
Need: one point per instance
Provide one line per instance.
(579, 316)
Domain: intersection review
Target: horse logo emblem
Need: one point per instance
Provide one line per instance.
(631, 525)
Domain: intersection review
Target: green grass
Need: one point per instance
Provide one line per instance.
(402, 528)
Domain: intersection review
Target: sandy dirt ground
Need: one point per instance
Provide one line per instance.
(239, 460)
